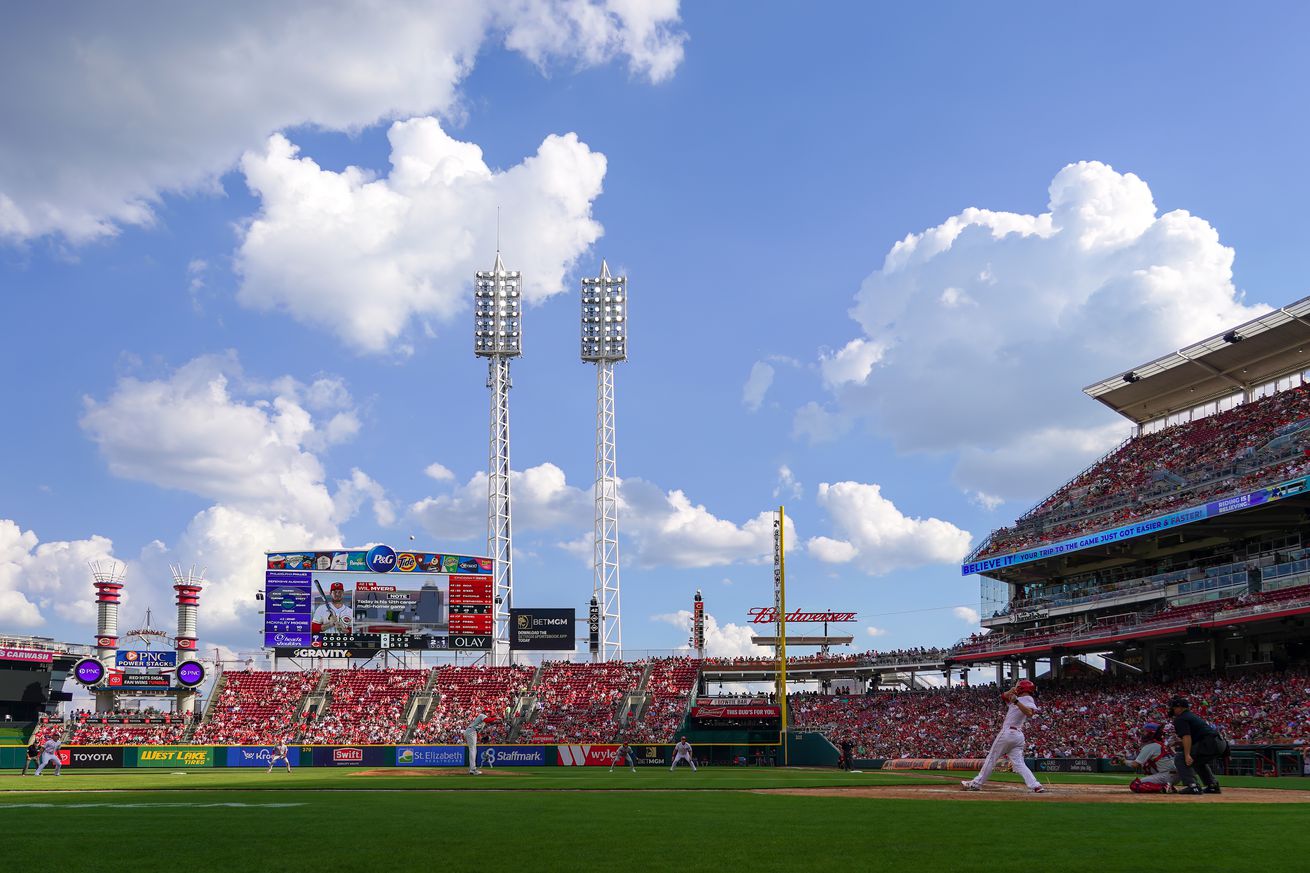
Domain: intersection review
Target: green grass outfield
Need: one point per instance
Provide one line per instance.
(582, 819)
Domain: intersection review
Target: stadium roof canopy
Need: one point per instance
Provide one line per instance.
(1245, 357)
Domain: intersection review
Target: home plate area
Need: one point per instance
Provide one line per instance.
(950, 790)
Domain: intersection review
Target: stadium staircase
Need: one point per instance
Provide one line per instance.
(319, 699)
(420, 706)
(214, 694)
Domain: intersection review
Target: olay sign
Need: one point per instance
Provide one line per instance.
(31, 655)
(769, 614)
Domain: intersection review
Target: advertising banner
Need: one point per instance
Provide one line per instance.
(588, 756)
(146, 659)
(354, 756)
(1141, 528)
(90, 757)
(541, 629)
(512, 756)
(430, 756)
(650, 755)
(1066, 765)
(258, 756)
(31, 656)
(139, 680)
(765, 711)
(177, 757)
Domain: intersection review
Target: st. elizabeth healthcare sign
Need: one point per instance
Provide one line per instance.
(1141, 528)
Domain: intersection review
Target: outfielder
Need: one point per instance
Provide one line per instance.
(682, 752)
(280, 754)
(49, 752)
(624, 754)
(1154, 762)
(1009, 743)
(471, 740)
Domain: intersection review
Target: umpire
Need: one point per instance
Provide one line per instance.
(33, 754)
(1202, 745)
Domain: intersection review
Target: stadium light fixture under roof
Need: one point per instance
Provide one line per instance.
(1236, 360)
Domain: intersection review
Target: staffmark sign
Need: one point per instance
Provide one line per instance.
(541, 629)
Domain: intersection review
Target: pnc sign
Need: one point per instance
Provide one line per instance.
(769, 615)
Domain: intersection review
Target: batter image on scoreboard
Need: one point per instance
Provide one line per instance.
(333, 612)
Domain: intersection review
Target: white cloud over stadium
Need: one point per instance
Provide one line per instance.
(122, 106)
(980, 331)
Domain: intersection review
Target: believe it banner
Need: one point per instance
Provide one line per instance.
(1141, 528)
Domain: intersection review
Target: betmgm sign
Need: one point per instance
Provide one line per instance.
(541, 629)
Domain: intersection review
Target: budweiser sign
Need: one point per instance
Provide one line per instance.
(769, 614)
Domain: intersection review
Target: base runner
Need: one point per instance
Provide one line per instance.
(1009, 743)
(624, 754)
(49, 752)
(1154, 762)
(682, 752)
(282, 754)
(471, 740)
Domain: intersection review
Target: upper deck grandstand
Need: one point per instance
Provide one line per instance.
(1198, 523)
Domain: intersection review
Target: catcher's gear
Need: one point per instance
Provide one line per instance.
(1152, 732)
(1025, 686)
(1137, 786)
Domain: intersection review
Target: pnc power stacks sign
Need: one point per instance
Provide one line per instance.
(175, 756)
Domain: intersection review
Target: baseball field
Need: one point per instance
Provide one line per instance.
(583, 819)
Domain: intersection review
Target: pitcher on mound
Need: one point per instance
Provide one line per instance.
(1009, 743)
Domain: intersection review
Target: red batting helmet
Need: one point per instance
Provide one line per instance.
(1025, 686)
(337, 586)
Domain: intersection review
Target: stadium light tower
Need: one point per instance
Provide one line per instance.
(605, 343)
(497, 336)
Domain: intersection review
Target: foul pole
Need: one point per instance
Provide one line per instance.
(780, 598)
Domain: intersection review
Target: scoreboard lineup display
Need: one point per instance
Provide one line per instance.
(353, 602)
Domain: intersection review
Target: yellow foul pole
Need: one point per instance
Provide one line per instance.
(780, 583)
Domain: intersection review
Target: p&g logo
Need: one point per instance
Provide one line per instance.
(380, 559)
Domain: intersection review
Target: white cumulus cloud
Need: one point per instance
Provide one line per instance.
(363, 257)
(44, 582)
(757, 385)
(121, 105)
(1000, 318)
(878, 536)
(721, 640)
(966, 614)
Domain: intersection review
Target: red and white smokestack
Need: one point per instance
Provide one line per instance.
(108, 576)
(187, 585)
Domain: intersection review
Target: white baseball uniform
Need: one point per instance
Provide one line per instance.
(471, 739)
(335, 618)
(1010, 743)
(49, 752)
(280, 754)
(682, 752)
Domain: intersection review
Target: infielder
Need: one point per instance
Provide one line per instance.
(682, 752)
(471, 740)
(624, 754)
(1009, 742)
(1154, 762)
(49, 752)
(280, 754)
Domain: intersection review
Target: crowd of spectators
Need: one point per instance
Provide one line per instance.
(1097, 718)
(580, 703)
(364, 706)
(914, 653)
(256, 707)
(1166, 470)
(669, 686)
(464, 693)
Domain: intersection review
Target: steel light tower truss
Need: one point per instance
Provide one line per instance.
(497, 336)
(605, 343)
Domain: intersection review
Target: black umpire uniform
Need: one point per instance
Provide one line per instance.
(847, 750)
(33, 754)
(1207, 746)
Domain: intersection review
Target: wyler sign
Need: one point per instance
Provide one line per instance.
(175, 756)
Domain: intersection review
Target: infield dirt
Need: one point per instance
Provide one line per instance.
(1053, 794)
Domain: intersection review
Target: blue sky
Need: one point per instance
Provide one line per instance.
(204, 348)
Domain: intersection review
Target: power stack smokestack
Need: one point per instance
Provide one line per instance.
(187, 584)
(108, 576)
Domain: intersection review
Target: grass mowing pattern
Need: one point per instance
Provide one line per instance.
(594, 828)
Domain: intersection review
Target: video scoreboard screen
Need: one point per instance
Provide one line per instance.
(364, 601)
